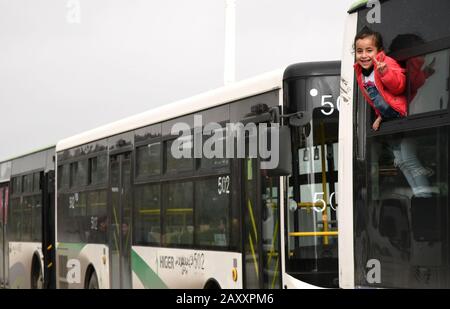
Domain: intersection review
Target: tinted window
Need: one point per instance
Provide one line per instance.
(147, 216)
(27, 183)
(174, 164)
(17, 185)
(78, 173)
(427, 18)
(63, 176)
(214, 149)
(97, 170)
(15, 220)
(147, 133)
(178, 213)
(26, 222)
(36, 218)
(212, 211)
(120, 141)
(36, 182)
(313, 183)
(402, 216)
(97, 216)
(148, 160)
(72, 220)
(242, 108)
(428, 77)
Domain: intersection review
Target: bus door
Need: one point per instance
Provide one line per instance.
(120, 220)
(261, 249)
(48, 236)
(4, 192)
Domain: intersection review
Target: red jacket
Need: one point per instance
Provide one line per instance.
(391, 84)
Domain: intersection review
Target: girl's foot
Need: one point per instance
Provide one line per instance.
(376, 124)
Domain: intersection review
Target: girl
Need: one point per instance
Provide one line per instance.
(382, 81)
(380, 78)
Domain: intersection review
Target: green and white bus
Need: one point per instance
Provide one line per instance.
(389, 235)
(27, 220)
(132, 215)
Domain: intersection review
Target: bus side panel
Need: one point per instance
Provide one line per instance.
(73, 260)
(20, 261)
(185, 268)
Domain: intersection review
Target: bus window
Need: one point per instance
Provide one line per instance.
(78, 173)
(63, 176)
(177, 165)
(97, 215)
(148, 160)
(428, 77)
(97, 170)
(212, 211)
(218, 159)
(36, 218)
(27, 181)
(427, 74)
(178, 205)
(16, 185)
(15, 224)
(36, 182)
(72, 217)
(406, 213)
(147, 214)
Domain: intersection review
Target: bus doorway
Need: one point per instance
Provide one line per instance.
(261, 227)
(120, 220)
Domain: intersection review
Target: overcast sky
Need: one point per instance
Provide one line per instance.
(62, 73)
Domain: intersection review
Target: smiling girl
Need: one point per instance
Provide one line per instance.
(380, 78)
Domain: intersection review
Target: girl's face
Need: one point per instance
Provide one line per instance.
(365, 52)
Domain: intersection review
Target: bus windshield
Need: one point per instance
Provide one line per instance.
(311, 216)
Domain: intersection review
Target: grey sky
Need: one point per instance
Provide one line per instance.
(126, 56)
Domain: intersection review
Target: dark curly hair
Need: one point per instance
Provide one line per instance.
(367, 32)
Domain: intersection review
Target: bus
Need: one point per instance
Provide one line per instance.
(131, 214)
(27, 221)
(391, 234)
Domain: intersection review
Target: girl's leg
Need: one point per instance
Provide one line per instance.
(414, 172)
(396, 150)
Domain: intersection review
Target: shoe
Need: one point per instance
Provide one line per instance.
(428, 172)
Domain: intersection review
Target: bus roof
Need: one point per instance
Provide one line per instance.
(246, 88)
(28, 153)
(360, 4)
(357, 5)
(309, 69)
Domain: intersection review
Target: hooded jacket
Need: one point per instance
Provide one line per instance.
(391, 84)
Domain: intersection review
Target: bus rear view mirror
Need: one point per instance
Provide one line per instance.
(284, 164)
(300, 119)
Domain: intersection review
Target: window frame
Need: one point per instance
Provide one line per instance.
(411, 122)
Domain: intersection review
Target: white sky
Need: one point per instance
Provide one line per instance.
(59, 78)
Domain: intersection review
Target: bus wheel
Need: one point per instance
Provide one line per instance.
(212, 285)
(37, 280)
(93, 282)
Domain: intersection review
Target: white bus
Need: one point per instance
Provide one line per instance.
(27, 220)
(390, 235)
(131, 215)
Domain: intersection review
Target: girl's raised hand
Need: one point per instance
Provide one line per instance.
(381, 66)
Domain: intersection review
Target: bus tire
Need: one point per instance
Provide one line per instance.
(37, 279)
(93, 281)
(212, 284)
